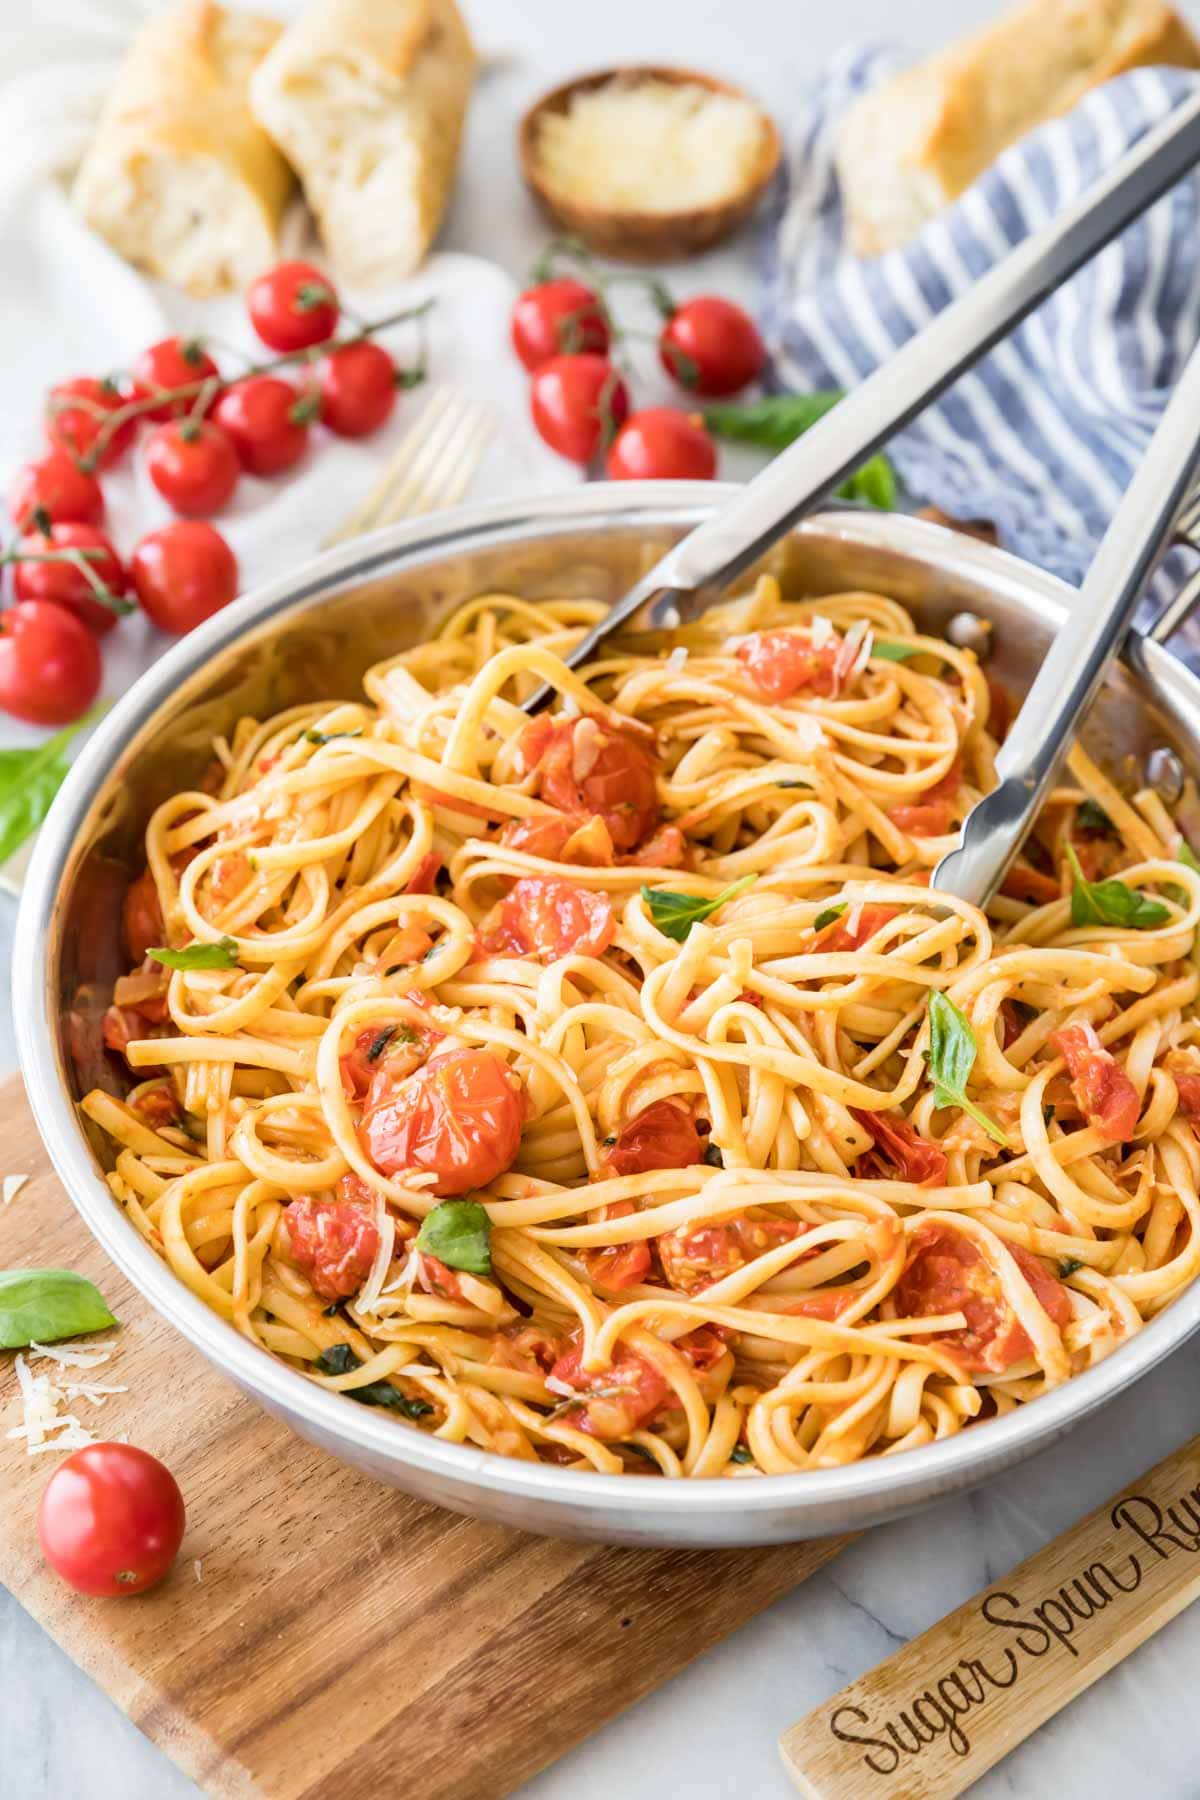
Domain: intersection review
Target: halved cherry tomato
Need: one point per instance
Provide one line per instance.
(617, 1265)
(293, 306)
(547, 918)
(705, 1346)
(49, 663)
(712, 346)
(558, 839)
(852, 930)
(662, 1136)
(1107, 1098)
(660, 443)
(458, 1118)
(945, 1273)
(577, 403)
(66, 582)
(76, 413)
(525, 1347)
(587, 766)
(193, 464)
(913, 1156)
(334, 1242)
(1024, 882)
(423, 879)
(623, 1397)
(695, 1256)
(783, 663)
(399, 1049)
(931, 815)
(1187, 1081)
(358, 386)
(111, 1520)
(53, 486)
(174, 362)
(266, 421)
(557, 318)
(183, 573)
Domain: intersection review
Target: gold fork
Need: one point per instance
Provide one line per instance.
(432, 467)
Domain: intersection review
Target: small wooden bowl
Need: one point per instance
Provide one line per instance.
(645, 236)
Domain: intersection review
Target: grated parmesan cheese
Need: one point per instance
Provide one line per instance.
(44, 1425)
(650, 146)
(372, 1288)
(677, 657)
(12, 1186)
(822, 630)
(196, 1566)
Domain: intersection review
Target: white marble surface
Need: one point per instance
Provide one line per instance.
(712, 1731)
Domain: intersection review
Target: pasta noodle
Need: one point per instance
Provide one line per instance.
(611, 1088)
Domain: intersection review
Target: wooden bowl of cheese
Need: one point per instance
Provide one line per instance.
(648, 164)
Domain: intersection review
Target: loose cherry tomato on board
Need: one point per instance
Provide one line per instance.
(358, 388)
(183, 573)
(49, 663)
(55, 487)
(111, 1520)
(662, 444)
(711, 346)
(577, 403)
(174, 363)
(558, 318)
(459, 1118)
(266, 420)
(293, 306)
(75, 416)
(193, 464)
(65, 582)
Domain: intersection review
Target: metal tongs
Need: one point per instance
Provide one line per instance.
(693, 575)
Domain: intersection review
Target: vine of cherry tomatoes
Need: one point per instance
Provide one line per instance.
(564, 332)
(204, 429)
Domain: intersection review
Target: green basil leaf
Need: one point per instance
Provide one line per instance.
(459, 1234)
(874, 484)
(828, 916)
(789, 783)
(1111, 902)
(741, 1453)
(1091, 816)
(221, 955)
(327, 737)
(890, 651)
(42, 1305)
(1068, 1266)
(339, 1359)
(951, 1057)
(675, 914)
(778, 420)
(29, 780)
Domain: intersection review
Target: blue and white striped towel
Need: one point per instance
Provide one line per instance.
(1043, 435)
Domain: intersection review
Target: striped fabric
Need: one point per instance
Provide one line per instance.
(1043, 435)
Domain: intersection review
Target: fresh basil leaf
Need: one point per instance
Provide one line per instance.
(789, 783)
(828, 916)
(675, 914)
(29, 780)
(327, 737)
(339, 1359)
(1111, 902)
(459, 1234)
(778, 420)
(221, 955)
(42, 1305)
(1068, 1266)
(741, 1453)
(951, 1057)
(1091, 816)
(890, 651)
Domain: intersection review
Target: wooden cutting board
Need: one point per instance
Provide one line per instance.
(341, 1638)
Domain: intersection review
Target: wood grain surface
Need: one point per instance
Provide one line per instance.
(342, 1639)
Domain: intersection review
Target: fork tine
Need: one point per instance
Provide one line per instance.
(447, 479)
(438, 453)
(366, 515)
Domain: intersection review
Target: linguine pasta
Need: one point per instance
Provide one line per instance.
(611, 1089)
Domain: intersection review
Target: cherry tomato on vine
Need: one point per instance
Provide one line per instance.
(266, 420)
(65, 582)
(711, 346)
(577, 403)
(111, 1520)
(75, 416)
(558, 318)
(183, 573)
(193, 464)
(54, 486)
(293, 306)
(173, 363)
(661, 444)
(49, 663)
(358, 388)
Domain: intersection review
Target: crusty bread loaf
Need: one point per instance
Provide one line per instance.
(367, 98)
(180, 178)
(914, 144)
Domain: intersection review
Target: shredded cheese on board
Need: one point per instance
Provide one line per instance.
(44, 1425)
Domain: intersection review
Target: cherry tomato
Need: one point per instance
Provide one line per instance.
(49, 663)
(694, 1256)
(933, 814)
(711, 346)
(54, 486)
(397, 1048)
(617, 1265)
(334, 1242)
(266, 421)
(662, 444)
(65, 582)
(577, 403)
(1187, 1081)
(587, 767)
(1107, 1097)
(193, 464)
(358, 388)
(1024, 882)
(946, 1273)
(293, 306)
(111, 1520)
(557, 318)
(174, 363)
(549, 919)
(661, 1136)
(75, 415)
(783, 663)
(901, 1150)
(851, 930)
(623, 1397)
(459, 1118)
(183, 573)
